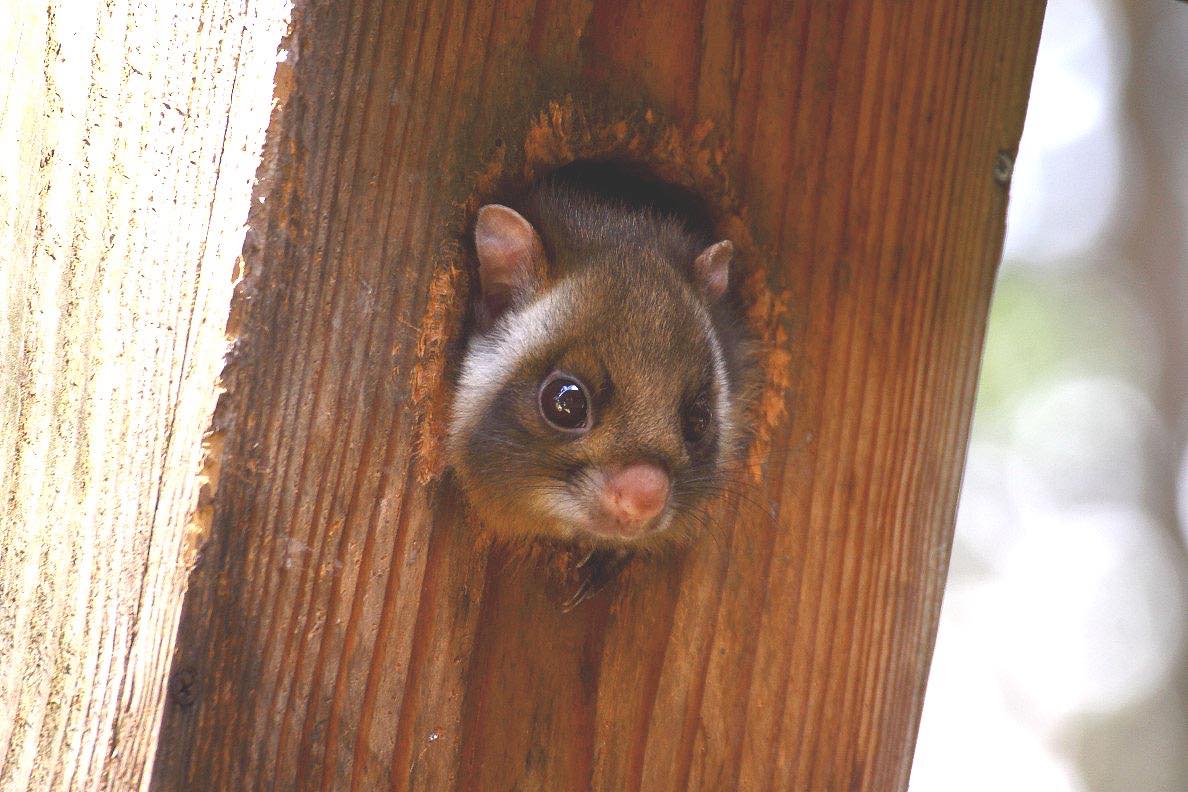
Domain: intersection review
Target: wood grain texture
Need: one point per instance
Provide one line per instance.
(349, 627)
(130, 133)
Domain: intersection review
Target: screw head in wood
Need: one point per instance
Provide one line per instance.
(1004, 166)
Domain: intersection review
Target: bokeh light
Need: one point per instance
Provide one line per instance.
(1061, 661)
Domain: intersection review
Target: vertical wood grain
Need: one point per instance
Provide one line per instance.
(130, 133)
(348, 626)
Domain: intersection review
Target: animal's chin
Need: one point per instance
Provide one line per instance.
(602, 526)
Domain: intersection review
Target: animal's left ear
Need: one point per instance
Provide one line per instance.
(711, 269)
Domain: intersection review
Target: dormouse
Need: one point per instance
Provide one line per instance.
(599, 400)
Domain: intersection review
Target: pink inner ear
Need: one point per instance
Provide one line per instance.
(711, 269)
(510, 257)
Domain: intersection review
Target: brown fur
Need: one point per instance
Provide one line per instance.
(635, 336)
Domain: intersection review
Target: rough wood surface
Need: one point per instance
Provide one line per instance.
(130, 133)
(348, 626)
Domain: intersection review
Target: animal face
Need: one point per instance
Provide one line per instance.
(599, 410)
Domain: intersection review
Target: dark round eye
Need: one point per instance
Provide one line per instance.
(697, 418)
(564, 403)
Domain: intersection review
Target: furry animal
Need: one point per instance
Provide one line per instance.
(601, 398)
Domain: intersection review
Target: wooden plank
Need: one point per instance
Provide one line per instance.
(350, 628)
(129, 137)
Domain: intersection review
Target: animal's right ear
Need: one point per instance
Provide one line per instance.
(511, 260)
(711, 269)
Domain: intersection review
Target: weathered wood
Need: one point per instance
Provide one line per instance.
(129, 137)
(348, 627)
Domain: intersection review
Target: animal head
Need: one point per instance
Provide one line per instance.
(594, 401)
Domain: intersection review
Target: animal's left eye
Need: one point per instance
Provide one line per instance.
(697, 418)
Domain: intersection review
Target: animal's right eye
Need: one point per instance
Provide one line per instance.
(697, 418)
(564, 403)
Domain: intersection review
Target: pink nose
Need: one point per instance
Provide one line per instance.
(636, 493)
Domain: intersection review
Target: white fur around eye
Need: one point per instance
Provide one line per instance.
(492, 357)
